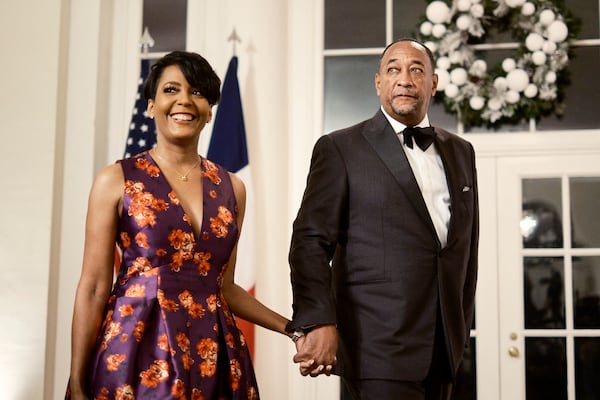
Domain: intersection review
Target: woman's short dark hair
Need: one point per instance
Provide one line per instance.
(198, 72)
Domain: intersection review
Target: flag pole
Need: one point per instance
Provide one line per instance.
(235, 39)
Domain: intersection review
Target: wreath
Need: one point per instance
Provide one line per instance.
(527, 86)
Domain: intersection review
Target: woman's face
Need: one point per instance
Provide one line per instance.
(180, 111)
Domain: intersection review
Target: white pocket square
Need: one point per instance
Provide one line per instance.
(466, 188)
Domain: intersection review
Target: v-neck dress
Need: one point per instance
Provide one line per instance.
(167, 331)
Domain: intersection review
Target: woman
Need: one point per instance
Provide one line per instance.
(166, 327)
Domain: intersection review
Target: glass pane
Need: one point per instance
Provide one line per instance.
(167, 23)
(350, 95)
(586, 292)
(541, 222)
(545, 369)
(406, 17)
(466, 377)
(544, 292)
(354, 24)
(587, 368)
(587, 12)
(585, 208)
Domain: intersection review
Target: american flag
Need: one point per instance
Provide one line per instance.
(142, 131)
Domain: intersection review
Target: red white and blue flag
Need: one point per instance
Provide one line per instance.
(228, 148)
(142, 130)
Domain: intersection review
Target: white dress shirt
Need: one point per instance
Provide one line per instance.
(429, 172)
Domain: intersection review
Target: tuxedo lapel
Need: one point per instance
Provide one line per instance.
(384, 141)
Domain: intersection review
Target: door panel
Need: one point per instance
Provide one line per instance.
(549, 277)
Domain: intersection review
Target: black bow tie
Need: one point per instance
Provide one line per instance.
(423, 136)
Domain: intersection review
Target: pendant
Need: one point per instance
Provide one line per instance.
(183, 178)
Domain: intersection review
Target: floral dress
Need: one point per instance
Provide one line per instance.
(167, 331)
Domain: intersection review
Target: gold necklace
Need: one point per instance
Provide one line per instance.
(182, 177)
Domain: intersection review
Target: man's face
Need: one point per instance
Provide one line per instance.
(405, 82)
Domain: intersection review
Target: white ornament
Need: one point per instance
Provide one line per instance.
(512, 97)
(558, 31)
(438, 30)
(478, 68)
(549, 47)
(528, 9)
(494, 104)
(550, 77)
(547, 17)
(463, 5)
(464, 22)
(437, 12)
(530, 91)
(476, 102)
(443, 63)
(443, 79)
(515, 3)
(451, 91)
(517, 80)
(477, 11)
(426, 28)
(508, 64)
(500, 83)
(458, 76)
(534, 41)
(538, 57)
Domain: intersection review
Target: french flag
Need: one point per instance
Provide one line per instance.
(228, 148)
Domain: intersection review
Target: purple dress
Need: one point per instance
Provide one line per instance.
(167, 331)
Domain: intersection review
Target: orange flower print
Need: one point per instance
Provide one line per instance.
(142, 215)
(178, 389)
(157, 373)
(183, 341)
(187, 361)
(112, 330)
(165, 303)
(196, 310)
(161, 252)
(202, 259)
(173, 198)
(153, 171)
(159, 204)
(187, 219)
(212, 303)
(210, 170)
(138, 331)
(186, 299)
(125, 240)
(124, 392)
(103, 394)
(132, 187)
(142, 163)
(126, 310)
(139, 266)
(229, 340)
(163, 342)
(136, 291)
(225, 215)
(197, 394)
(252, 393)
(124, 337)
(142, 240)
(207, 349)
(182, 241)
(205, 235)
(235, 373)
(212, 194)
(113, 362)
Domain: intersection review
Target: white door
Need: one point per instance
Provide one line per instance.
(549, 277)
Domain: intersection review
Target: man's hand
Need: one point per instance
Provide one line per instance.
(316, 351)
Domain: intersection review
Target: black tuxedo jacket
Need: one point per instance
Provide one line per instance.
(365, 254)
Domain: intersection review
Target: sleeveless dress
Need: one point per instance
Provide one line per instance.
(167, 331)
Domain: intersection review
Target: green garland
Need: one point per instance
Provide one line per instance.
(527, 86)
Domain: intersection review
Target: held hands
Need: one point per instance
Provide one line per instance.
(315, 351)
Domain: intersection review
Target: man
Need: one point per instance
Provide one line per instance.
(400, 227)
